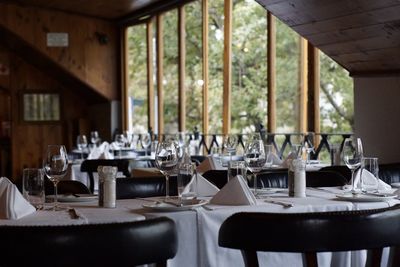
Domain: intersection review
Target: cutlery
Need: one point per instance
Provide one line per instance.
(376, 194)
(173, 203)
(277, 202)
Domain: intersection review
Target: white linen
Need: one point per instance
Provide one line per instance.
(13, 205)
(201, 186)
(369, 178)
(274, 158)
(101, 152)
(210, 163)
(235, 192)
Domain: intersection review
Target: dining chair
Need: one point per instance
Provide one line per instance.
(90, 167)
(117, 244)
(309, 233)
(66, 187)
(135, 187)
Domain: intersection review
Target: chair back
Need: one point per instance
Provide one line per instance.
(66, 187)
(90, 166)
(309, 233)
(117, 244)
(127, 188)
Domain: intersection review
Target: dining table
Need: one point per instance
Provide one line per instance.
(198, 224)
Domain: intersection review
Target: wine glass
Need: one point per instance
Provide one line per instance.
(81, 143)
(352, 156)
(166, 159)
(129, 138)
(146, 142)
(309, 145)
(120, 142)
(94, 137)
(182, 140)
(229, 144)
(55, 166)
(254, 156)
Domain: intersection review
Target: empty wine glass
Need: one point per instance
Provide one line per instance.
(129, 138)
(166, 159)
(254, 155)
(146, 142)
(81, 143)
(309, 145)
(229, 144)
(94, 137)
(55, 165)
(182, 139)
(352, 156)
(120, 142)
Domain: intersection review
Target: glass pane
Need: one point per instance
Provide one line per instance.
(336, 97)
(216, 54)
(249, 66)
(137, 78)
(194, 78)
(287, 78)
(170, 79)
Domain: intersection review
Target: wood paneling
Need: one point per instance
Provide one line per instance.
(226, 117)
(85, 58)
(361, 35)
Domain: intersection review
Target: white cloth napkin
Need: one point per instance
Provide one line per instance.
(369, 178)
(201, 186)
(101, 152)
(12, 204)
(236, 192)
(210, 163)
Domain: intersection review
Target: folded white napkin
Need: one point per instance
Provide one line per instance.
(101, 152)
(210, 163)
(369, 178)
(201, 186)
(12, 204)
(236, 192)
(272, 157)
(289, 158)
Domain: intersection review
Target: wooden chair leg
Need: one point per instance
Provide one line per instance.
(310, 259)
(250, 258)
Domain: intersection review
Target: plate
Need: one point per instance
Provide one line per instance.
(365, 198)
(266, 191)
(74, 197)
(163, 206)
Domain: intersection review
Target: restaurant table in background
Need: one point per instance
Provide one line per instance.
(198, 228)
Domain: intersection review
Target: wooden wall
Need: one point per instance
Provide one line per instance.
(85, 57)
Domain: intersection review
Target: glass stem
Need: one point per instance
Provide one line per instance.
(55, 206)
(255, 184)
(352, 181)
(166, 186)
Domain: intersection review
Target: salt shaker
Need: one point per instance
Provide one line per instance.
(297, 178)
(107, 190)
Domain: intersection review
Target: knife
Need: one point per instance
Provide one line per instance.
(282, 203)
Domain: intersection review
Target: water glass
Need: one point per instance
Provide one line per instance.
(369, 183)
(237, 167)
(33, 186)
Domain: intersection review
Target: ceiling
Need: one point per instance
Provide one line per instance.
(361, 35)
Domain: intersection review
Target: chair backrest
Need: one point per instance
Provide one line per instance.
(118, 244)
(90, 166)
(66, 187)
(127, 188)
(342, 169)
(312, 232)
(390, 172)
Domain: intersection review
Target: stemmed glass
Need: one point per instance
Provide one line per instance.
(254, 156)
(352, 156)
(166, 159)
(182, 140)
(146, 142)
(94, 138)
(55, 165)
(309, 145)
(129, 138)
(229, 144)
(81, 143)
(120, 142)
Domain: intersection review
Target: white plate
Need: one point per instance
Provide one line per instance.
(365, 198)
(266, 191)
(74, 198)
(162, 206)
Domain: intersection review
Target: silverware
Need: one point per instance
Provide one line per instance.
(277, 202)
(74, 215)
(173, 203)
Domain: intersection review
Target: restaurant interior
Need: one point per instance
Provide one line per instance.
(199, 132)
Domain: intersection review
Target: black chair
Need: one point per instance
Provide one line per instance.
(90, 166)
(343, 170)
(218, 177)
(309, 233)
(117, 244)
(127, 188)
(66, 187)
(390, 172)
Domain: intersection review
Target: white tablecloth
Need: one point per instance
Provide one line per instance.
(198, 229)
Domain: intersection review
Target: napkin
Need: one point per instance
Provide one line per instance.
(369, 178)
(210, 163)
(289, 158)
(274, 158)
(201, 186)
(236, 192)
(12, 204)
(101, 152)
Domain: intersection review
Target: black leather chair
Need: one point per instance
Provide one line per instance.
(342, 169)
(66, 187)
(127, 188)
(90, 166)
(390, 173)
(118, 244)
(309, 233)
(218, 177)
